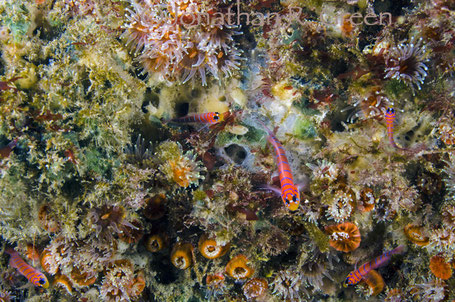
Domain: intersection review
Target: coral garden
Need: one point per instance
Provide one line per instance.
(109, 194)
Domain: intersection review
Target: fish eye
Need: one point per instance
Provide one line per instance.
(286, 201)
(390, 110)
(289, 31)
(294, 198)
(41, 281)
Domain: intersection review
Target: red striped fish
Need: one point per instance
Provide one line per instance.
(32, 274)
(289, 192)
(204, 118)
(354, 277)
(389, 119)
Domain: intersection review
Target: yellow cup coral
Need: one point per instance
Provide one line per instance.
(178, 167)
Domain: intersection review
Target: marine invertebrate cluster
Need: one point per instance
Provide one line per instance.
(366, 200)
(440, 268)
(255, 287)
(120, 282)
(215, 285)
(374, 284)
(432, 290)
(341, 204)
(210, 249)
(446, 131)
(238, 268)
(405, 62)
(179, 167)
(394, 295)
(48, 219)
(180, 39)
(63, 282)
(155, 206)
(274, 241)
(109, 220)
(182, 256)
(448, 215)
(344, 237)
(286, 284)
(314, 270)
(156, 242)
(416, 235)
(370, 104)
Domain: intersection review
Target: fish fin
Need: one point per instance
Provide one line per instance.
(266, 128)
(398, 250)
(303, 185)
(206, 127)
(270, 188)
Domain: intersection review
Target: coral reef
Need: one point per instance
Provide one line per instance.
(104, 191)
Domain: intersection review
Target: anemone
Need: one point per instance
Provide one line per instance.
(405, 63)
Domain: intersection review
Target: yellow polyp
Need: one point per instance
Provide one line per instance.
(180, 174)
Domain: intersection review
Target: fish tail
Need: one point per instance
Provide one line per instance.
(392, 141)
(270, 133)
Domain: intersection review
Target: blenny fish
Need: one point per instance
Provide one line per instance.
(357, 275)
(33, 275)
(289, 192)
(389, 119)
(204, 118)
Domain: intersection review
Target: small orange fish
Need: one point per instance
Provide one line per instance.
(205, 118)
(356, 276)
(33, 275)
(389, 119)
(289, 192)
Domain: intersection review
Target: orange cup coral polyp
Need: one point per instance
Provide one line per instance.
(83, 278)
(138, 285)
(238, 268)
(255, 288)
(440, 268)
(48, 262)
(62, 281)
(344, 237)
(415, 234)
(374, 282)
(182, 255)
(155, 242)
(366, 200)
(178, 166)
(210, 249)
